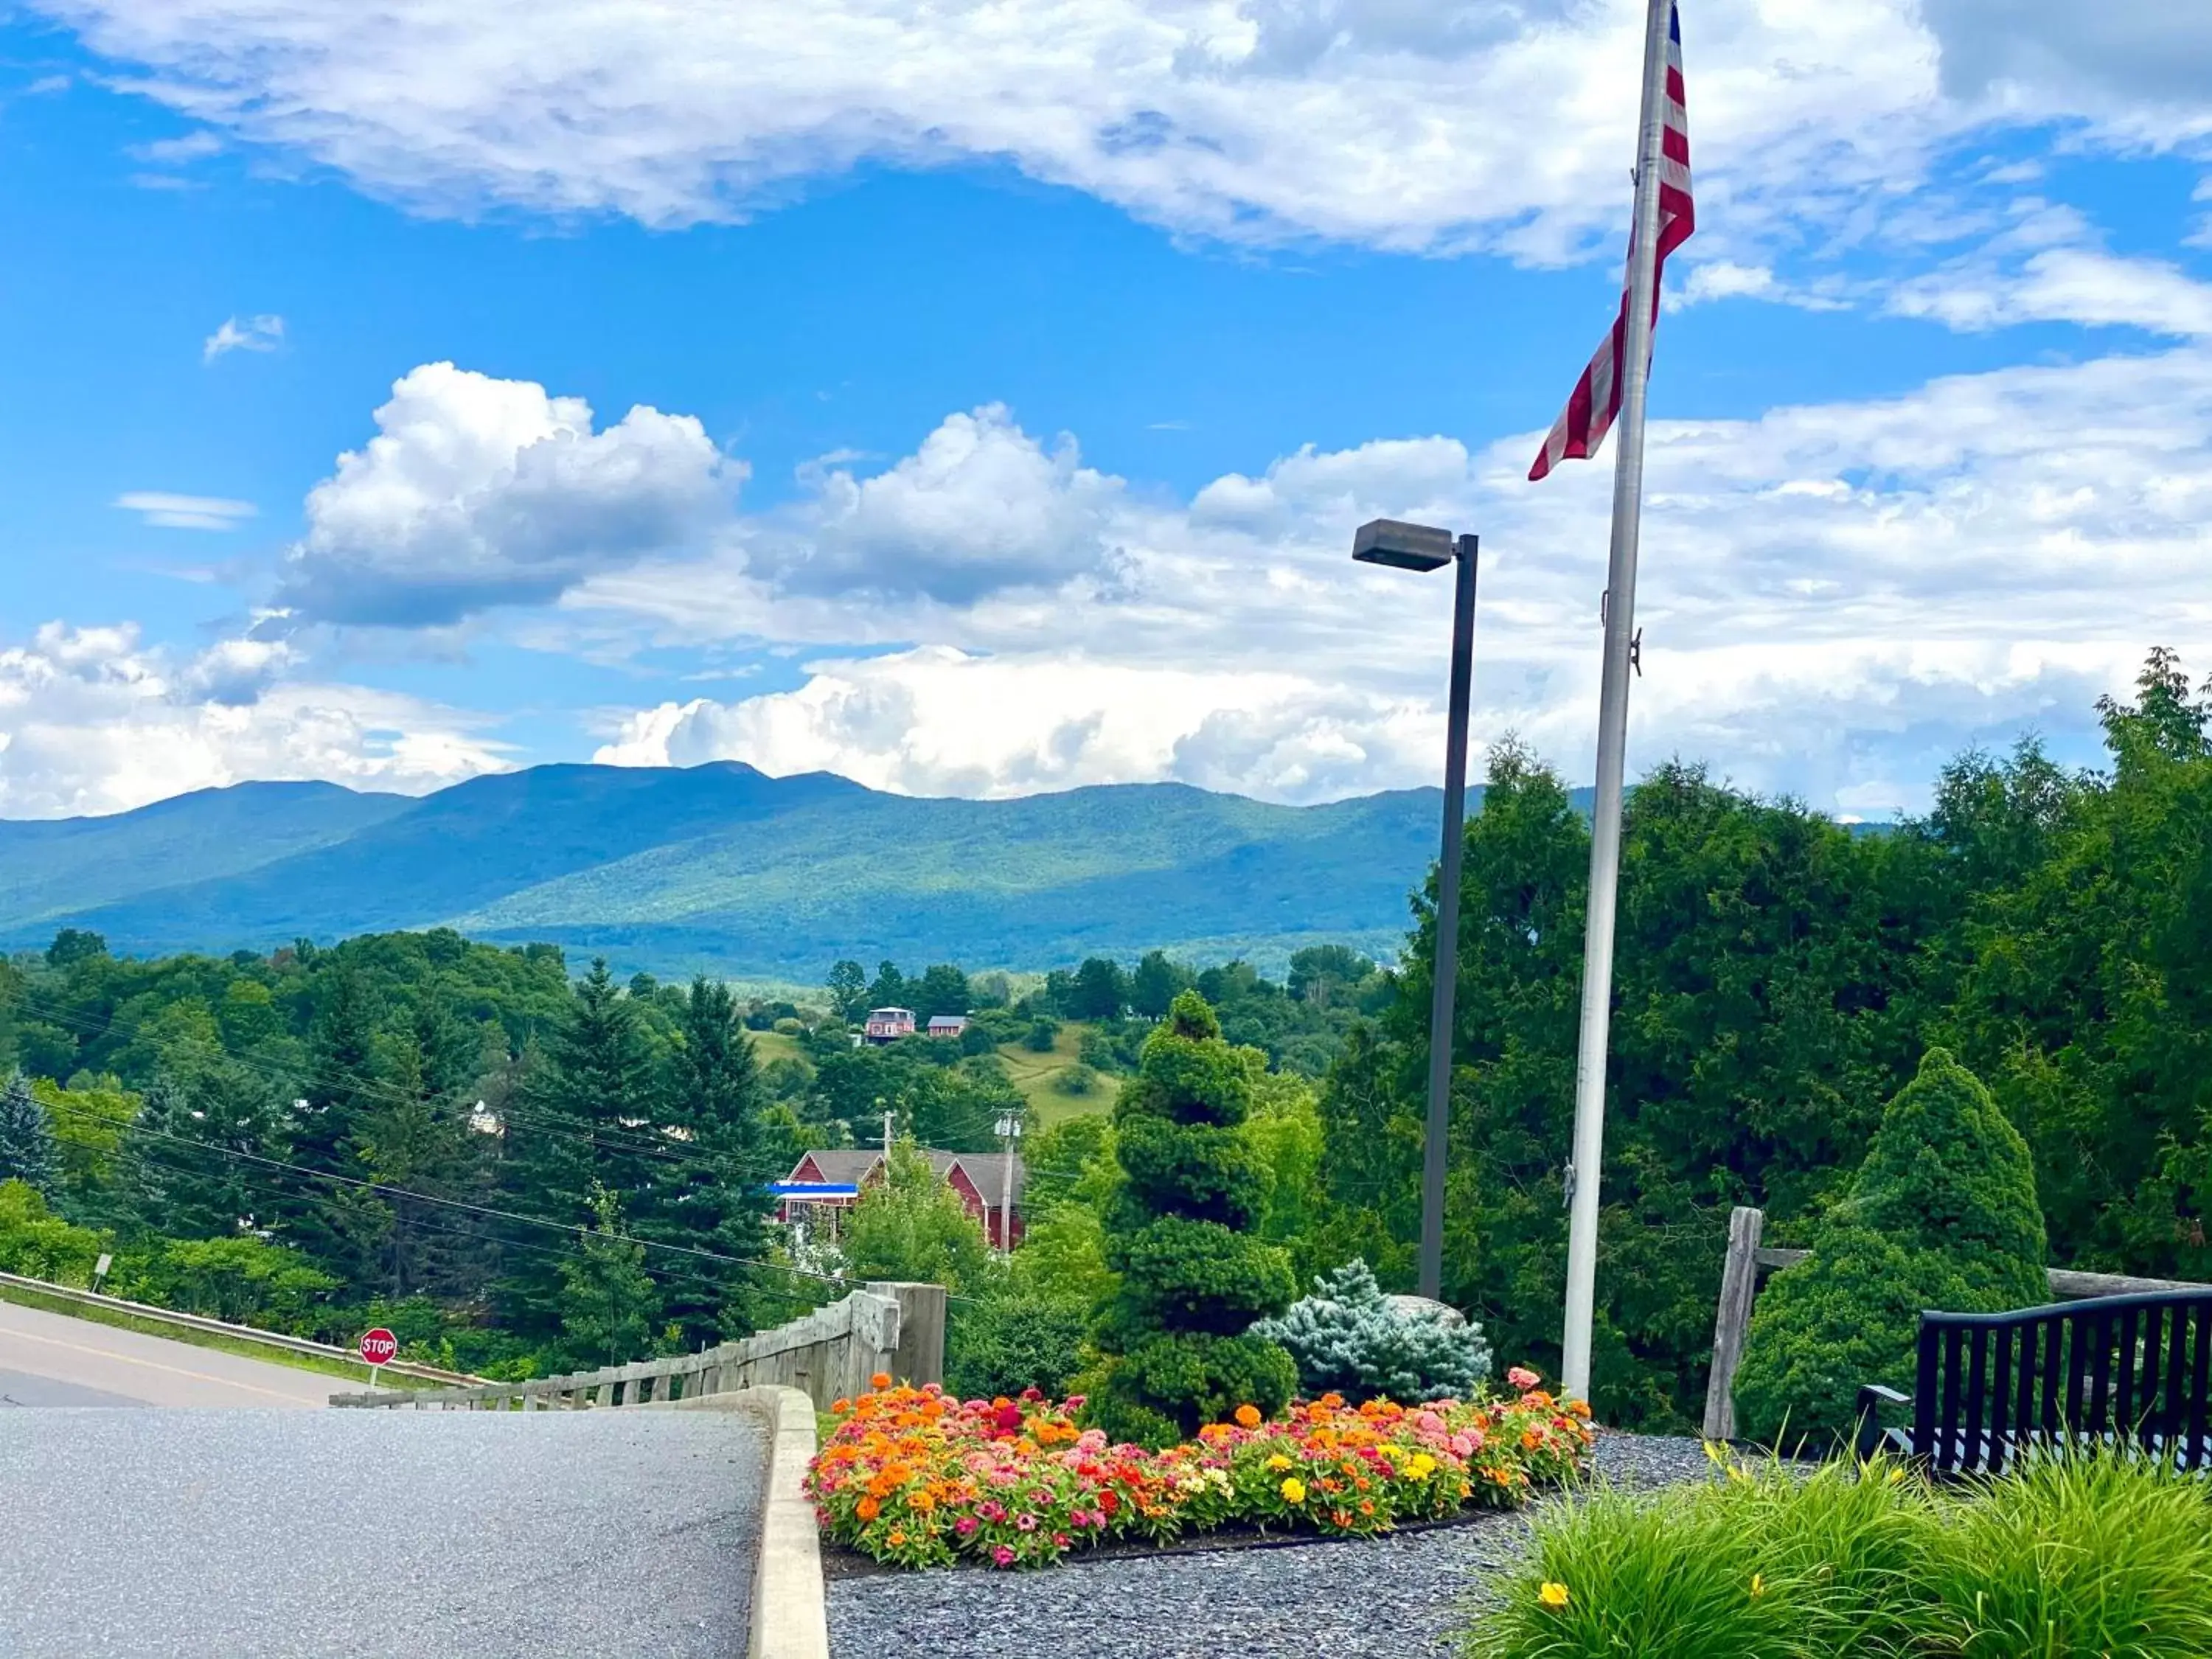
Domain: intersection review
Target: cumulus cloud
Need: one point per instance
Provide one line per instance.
(94, 719)
(936, 720)
(980, 505)
(262, 333)
(478, 492)
(172, 512)
(1835, 599)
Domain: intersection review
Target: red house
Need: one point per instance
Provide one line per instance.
(888, 1024)
(823, 1184)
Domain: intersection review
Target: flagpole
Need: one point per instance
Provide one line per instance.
(1634, 365)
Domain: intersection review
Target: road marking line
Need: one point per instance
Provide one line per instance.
(150, 1365)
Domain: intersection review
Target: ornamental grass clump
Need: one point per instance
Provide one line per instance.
(916, 1477)
(1943, 1214)
(2086, 1555)
(1348, 1338)
(1194, 1278)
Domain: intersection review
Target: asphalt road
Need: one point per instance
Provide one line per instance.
(267, 1534)
(51, 1359)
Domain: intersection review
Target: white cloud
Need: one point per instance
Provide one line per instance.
(1835, 597)
(93, 719)
(478, 492)
(2124, 58)
(2080, 285)
(173, 512)
(1492, 123)
(262, 333)
(980, 505)
(939, 721)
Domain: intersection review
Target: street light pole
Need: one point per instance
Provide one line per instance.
(1417, 547)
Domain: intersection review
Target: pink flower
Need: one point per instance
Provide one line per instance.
(1523, 1378)
(991, 1510)
(966, 1525)
(1003, 1556)
(1026, 1522)
(1063, 1540)
(1075, 1403)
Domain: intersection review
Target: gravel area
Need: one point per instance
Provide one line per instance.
(257, 1534)
(1404, 1596)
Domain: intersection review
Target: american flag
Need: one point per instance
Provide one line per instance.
(1589, 413)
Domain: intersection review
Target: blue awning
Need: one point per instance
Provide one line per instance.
(814, 1190)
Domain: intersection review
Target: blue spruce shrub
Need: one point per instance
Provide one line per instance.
(1350, 1339)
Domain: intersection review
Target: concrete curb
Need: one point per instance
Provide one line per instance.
(790, 1617)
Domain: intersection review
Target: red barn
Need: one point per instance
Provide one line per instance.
(822, 1184)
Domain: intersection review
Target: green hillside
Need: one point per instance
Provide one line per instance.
(723, 869)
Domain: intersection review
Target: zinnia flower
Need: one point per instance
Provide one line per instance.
(1554, 1595)
(966, 1525)
(880, 1380)
(1003, 1556)
(1248, 1417)
(868, 1509)
(1524, 1379)
(1295, 1489)
(1026, 1522)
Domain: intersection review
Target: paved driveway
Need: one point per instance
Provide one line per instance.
(242, 1534)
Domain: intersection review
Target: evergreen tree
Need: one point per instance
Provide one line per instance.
(27, 1150)
(1193, 1278)
(187, 1156)
(889, 989)
(411, 1132)
(717, 1197)
(586, 1114)
(1943, 1215)
(942, 990)
(609, 1303)
(345, 1230)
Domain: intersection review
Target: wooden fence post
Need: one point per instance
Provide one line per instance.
(1739, 1284)
(920, 1356)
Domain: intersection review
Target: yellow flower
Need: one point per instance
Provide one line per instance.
(1420, 1466)
(1554, 1595)
(1295, 1489)
(1279, 1463)
(1757, 1584)
(1896, 1475)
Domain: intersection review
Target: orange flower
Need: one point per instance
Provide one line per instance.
(1248, 1417)
(896, 1538)
(869, 1509)
(839, 1407)
(880, 1380)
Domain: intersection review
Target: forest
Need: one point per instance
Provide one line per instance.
(518, 1167)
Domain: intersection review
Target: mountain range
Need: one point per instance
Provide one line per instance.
(724, 869)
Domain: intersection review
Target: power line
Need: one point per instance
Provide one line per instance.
(385, 1189)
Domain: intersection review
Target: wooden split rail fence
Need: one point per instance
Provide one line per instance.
(829, 1353)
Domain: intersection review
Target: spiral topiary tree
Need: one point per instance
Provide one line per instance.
(1943, 1215)
(1193, 1278)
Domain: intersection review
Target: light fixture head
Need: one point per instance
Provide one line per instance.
(1403, 546)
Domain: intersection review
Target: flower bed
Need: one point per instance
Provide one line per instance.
(916, 1477)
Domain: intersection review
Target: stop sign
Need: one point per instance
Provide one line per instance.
(378, 1347)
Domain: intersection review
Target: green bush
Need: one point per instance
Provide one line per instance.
(1192, 1279)
(1350, 1339)
(2069, 1555)
(1076, 1079)
(1014, 1340)
(1943, 1216)
(1044, 1032)
(39, 1244)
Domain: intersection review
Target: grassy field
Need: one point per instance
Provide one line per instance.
(1038, 1076)
(345, 1370)
(768, 1047)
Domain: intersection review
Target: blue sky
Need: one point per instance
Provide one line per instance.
(979, 399)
